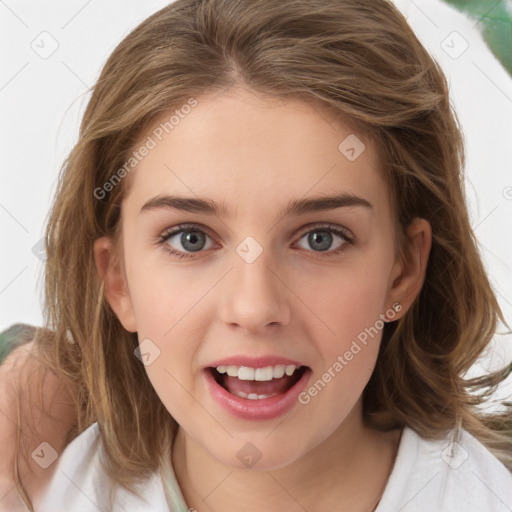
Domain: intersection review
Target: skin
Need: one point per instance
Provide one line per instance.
(47, 417)
(293, 300)
(255, 155)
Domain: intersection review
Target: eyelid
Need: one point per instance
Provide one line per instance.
(183, 227)
(326, 225)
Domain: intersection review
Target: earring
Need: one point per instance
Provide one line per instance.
(391, 312)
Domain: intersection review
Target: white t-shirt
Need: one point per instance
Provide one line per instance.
(427, 476)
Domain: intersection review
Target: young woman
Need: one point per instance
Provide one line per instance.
(262, 285)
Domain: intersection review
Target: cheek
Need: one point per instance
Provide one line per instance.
(165, 315)
(161, 298)
(349, 301)
(167, 321)
(348, 348)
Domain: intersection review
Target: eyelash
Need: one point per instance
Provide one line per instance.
(341, 232)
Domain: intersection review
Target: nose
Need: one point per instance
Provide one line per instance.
(255, 296)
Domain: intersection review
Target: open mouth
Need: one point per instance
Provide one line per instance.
(257, 383)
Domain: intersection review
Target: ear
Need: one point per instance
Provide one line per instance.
(407, 277)
(111, 271)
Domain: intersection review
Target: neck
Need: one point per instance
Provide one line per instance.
(347, 472)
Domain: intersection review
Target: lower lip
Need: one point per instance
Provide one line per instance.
(264, 409)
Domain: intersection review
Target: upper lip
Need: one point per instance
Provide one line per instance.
(253, 362)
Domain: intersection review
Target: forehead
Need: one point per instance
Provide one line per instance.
(246, 150)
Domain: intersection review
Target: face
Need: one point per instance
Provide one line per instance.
(224, 303)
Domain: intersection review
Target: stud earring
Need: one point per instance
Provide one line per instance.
(392, 311)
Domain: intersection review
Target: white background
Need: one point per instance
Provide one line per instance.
(42, 99)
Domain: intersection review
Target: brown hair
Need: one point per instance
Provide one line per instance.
(358, 60)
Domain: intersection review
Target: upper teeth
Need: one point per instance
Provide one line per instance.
(267, 373)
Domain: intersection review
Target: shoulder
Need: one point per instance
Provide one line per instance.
(80, 482)
(452, 474)
(15, 336)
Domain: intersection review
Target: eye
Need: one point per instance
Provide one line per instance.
(321, 239)
(181, 240)
(185, 240)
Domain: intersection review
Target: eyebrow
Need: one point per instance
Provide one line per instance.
(293, 208)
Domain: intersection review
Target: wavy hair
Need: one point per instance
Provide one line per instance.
(358, 60)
